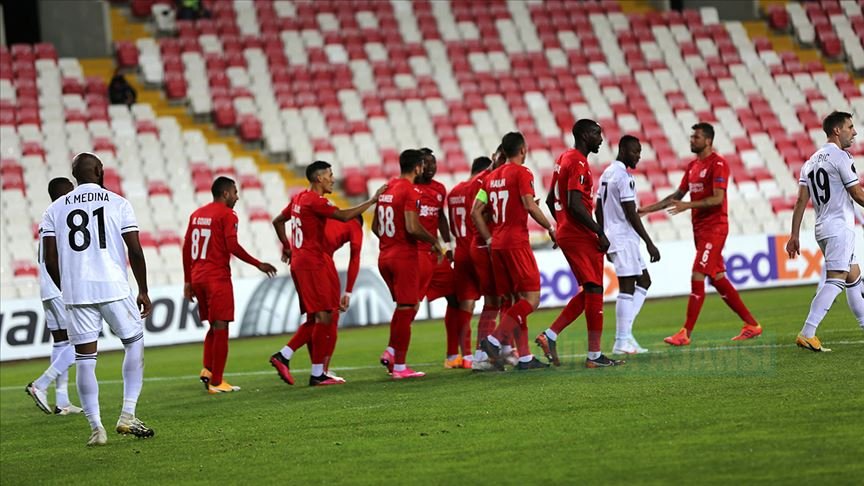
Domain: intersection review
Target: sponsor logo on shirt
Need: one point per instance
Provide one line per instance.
(428, 210)
(696, 187)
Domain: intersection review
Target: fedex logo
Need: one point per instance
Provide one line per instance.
(773, 264)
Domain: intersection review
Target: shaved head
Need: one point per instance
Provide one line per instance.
(87, 168)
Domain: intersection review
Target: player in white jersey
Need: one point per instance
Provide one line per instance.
(829, 180)
(623, 228)
(56, 320)
(83, 239)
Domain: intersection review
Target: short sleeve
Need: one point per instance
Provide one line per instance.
(684, 186)
(802, 179)
(525, 183)
(322, 207)
(128, 222)
(626, 188)
(721, 174)
(846, 168)
(412, 200)
(230, 222)
(47, 223)
(286, 213)
(580, 179)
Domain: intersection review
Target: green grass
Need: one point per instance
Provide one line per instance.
(717, 412)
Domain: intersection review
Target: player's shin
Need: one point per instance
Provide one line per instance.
(733, 300)
(821, 304)
(594, 322)
(133, 372)
(623, 316)
(88, 387)
(570, 313)
(451, 325)
(220, 355)
(855, 299)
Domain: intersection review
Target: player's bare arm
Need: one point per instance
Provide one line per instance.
(375, 227)
(856, 192)
(478, 216)
(603, 244)
(578, 210)
(52, 261)
(139, 269)
(632, 216)
(444, 229)
(188, 294)
(537, 215)
(550, 201)
(715, 199)
(793, 246)
(663, 203)
(415, 229)
(279, 225)
(346, 215)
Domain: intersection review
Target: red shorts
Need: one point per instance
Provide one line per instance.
(467, 282)
(481, 258)
(318, 288)
(515, 271)
(443, 280)
(585, 260)
(215, 300)
(402, 278)
(709, 253)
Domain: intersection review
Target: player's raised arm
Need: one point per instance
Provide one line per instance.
(233, 246)
(663, 203)
(139, 269)
(478, 212)
(715, 199)
(346, 215)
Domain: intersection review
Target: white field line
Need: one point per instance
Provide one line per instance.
(355, 368)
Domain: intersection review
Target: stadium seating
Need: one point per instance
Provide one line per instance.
(835, 27)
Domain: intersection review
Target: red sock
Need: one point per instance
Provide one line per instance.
(515, 317)
(465, 331)
(594, 319)
(694, 305)
(208, 350)
(733, 300)
(486, 324)
(570, 313)
(401, 326)
(505, 306)
(302, 336)
(320, 342)
(220, 355)
(451, 324)
(334, 330)
(520, 336)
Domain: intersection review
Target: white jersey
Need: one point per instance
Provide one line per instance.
(89, 224)
(617, 186)
(47, 289)
(827, 175)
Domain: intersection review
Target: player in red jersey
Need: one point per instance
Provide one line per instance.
(437, 278)
(706, 178)
(211, 239)
(510, 193)
(336, 235)
(312, 267)
(398, 229)
(582, 241)
(469, 284)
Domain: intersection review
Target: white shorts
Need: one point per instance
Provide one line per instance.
(839, 251)
(122, 316)
(56, 318)
(627, 259)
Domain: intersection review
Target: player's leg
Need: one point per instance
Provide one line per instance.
(200, 293)
(62, 357)
(697, 292)
(334, 331)
(321, 337)
(85, 324)
(643, 283)
(751, 328)
(221, 313)
(405, 288)
(624, 315)
(124, 319)
(854, 296)
(466, 312)
(281, 360)
(837, 258)
(572, 310)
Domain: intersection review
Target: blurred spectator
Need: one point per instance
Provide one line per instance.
(191, 10)
(120, 92)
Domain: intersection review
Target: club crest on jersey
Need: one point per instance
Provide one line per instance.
(703, 173)
(440, 198)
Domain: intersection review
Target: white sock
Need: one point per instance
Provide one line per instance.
(821, 304)
(133, 372)
(317, 369)
(287, 352)
(855, 299)
(526, 358)
(594, 354)
(468, 357)
(623, 315)
(62, 357)
(88, 388)
(391, 350)
(507, 349)
(551, 334)
(638, 300)
(493, 341)
(398, 367)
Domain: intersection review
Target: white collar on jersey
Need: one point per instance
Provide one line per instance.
(620, 164)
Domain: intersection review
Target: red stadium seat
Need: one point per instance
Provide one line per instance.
(126, 53)
(224, 115)
(14, 182)
(175, 86)
(24, 268)
(168, 238)
(155, 188)
(259, 214)
(101, 144)
(146, 126)
(72, 86)
(250, 182)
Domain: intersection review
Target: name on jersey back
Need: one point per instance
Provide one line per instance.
(497, 183)
(202, 221)
(86, 197)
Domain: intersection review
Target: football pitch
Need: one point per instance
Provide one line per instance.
(714, 412)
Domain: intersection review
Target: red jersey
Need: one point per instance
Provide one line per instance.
(309, 212)
(476, 185)
(572, 173)
(432, 197)
(394, 241)
(505, 187)
(211, 239)
(336, 234)
(700, 179)
(459, 205)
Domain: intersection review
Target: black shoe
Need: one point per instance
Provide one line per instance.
(603, 362)
(494, 354)
(534, 364)
(324, 380)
